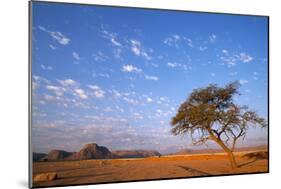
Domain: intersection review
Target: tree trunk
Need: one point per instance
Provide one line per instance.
(229, 153)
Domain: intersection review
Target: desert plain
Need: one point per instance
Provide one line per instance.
(96, 171)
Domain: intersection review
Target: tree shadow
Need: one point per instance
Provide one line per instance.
(194, 171)
(254, 156)
(247, 163)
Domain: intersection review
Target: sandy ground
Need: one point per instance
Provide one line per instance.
(114, 170)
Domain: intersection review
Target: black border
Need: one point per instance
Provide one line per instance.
(30, 183)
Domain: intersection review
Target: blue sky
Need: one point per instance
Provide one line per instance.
(116, 76)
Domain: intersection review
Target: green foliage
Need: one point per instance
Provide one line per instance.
(210, 113)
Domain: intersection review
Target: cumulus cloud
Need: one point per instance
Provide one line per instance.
(243, 81)
(76, 55)
(155, 78)
(63, 40)
(179, 65)
(148, 99)
(231, 59)
(99, 56)
(173, 40)
(67, 82)
(97, 91)
(245, 57)
(224, 51)
(46, 67)
(112, 37)
(117, 46)
(212, 38)
(203, 48)
(138, 50)
(56, 35)
(59, 91)
(130, 100)
(131, 68)
(189, 42)
(172, 64)
(81, 93)
(136, 45)
(49, 97)
(52, 47)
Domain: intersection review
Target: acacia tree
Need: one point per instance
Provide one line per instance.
(211, 114)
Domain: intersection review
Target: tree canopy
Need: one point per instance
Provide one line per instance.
(210, 114)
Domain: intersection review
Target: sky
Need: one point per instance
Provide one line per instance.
(116, 76)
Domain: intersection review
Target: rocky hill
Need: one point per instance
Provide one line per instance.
(57, 155)
(89, 151)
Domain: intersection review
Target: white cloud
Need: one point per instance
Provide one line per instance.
(67, 82)
(201, 48)
(155, 78)
(173, 40)
(57, 90)
(52, 47)
(112, 37)
(81, 93)
(225, 51)
(189, 42)
(42, 28)
(131, 68)
(58, 36)
(138, 50)
(49, 97)
(99, 56)
(163, 98)
(245, 57)
(138, 115)
(148, 99)
(182, 66)
(212, 38)
(116, 93)
(136, 47)
(231, 59)
(172, 64)
(159, 111)
(114, 42)
(130, 100)
(243, 81)
(97, 91)
(104, 75)
(46, 67)
(76, 55)
(63, 40)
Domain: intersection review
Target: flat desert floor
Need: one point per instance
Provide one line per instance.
(114, 170)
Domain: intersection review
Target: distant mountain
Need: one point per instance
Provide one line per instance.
(57, 155)
(89, 151)
(38, 156)
(135, 153)
(92, 151)
(184, 152)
